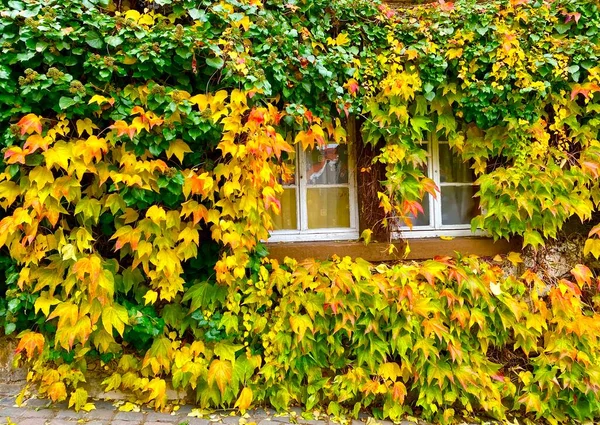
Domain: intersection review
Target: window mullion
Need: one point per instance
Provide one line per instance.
(437, 203)
(302, 190)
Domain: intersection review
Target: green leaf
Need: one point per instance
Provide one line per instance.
(114, 40)
(66, 102)
(226, 351)
(533, 238)
(94, 40)
(215, 62)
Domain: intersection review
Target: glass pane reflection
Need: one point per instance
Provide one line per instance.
(458, 204)
(452, 167)
(287, 219)
(327, 165)
(328, 207)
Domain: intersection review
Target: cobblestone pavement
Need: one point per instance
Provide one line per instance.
(41, 412)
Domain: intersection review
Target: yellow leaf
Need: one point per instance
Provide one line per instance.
(342, 39)
(114, 316)
(514, 258)
(44, 303)
(9, 191)
(217, 100)
(103, 340)
(86, 125)
(156, 214)
(220, 373)
(40, 176)
(133, 14)
(158, 392)
(78, 399)
(495, 288)
(300, 323)
(238, 96)
(389, 371)
(68, 252)
(446, 238)
(592, 246)
(454, 53)
(366, 236)
(150, 297)
(146, 19)
(201, 100)
(129, 407)
(100, 100)
(178, 148)
(244, 22)
(244, 400)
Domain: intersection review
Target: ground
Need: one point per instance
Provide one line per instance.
(40, 412)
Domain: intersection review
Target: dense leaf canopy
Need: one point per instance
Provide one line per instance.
(143, 150)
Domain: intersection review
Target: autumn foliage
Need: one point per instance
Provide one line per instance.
(143, 155)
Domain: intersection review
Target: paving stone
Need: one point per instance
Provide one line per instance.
(122, 422)
(12, 411)
(31, 421)
(184, 410)
(41, 413)
(7, 401)
(280, 419)
(162, 417)
(62, 422)
(195, 421)
(69, 414)
(129, 416)
(231, 420)
(97, 423)
(173, 421)
(36, 402)
(100, 414)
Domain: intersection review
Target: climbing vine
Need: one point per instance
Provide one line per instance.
(144, 148)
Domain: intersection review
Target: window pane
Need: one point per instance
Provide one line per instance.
(452, 167)
(287, 219)
(328, 207)
(327, 165)
(458, 204)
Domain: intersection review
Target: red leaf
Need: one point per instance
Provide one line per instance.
(257, 116)
(446, 6)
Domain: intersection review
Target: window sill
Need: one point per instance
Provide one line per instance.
(420, 249)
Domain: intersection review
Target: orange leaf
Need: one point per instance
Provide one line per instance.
(30, 342)
(582, 274)
(15, 155)
(57, 392)
(35, 142)
(30, 123)
(123, 128)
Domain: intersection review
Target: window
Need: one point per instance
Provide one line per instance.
(319, 201)
(451, 212)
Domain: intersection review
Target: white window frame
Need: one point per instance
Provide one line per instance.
(304, 234)
(435, 227)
